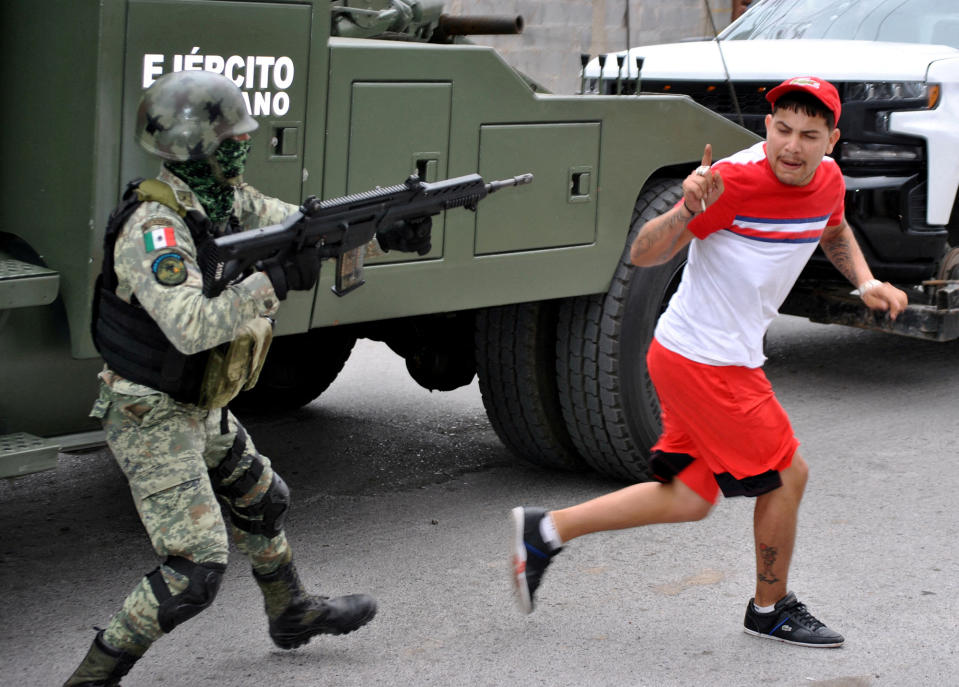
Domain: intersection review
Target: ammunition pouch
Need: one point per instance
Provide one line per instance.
(235, 367)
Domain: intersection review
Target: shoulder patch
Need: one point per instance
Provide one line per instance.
(185, 198)
(169, 269)
(160, 237)
(156, 222)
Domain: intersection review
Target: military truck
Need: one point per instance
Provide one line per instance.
(533, 292)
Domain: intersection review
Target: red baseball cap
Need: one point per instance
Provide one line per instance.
(824, 91)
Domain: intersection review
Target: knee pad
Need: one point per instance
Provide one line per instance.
(267, 515)
(203, 584)
(246, 481)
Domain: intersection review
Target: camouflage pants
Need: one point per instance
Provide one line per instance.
(166, 449)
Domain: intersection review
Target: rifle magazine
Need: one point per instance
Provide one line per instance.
(211, 268)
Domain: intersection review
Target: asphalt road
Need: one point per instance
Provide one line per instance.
(405, 494)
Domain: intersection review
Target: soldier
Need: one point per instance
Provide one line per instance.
(168, 350)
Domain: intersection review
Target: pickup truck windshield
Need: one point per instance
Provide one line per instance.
(903, 21)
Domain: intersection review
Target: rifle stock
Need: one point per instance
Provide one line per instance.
(341, 227)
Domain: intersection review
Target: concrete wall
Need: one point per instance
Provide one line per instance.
(557, 31)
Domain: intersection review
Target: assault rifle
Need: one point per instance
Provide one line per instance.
(340, 228)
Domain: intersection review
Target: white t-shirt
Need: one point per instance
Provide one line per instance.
(750, 247)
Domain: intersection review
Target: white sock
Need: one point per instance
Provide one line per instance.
(764, 609)
(547, 530)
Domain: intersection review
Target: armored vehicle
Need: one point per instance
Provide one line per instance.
(532, 292)
(896, 66)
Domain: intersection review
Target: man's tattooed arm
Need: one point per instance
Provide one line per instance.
(840, 246)
(661, 238)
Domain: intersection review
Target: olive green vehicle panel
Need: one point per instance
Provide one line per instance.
(51, 144)
(559, 149)
(45, 391)
(526, 244)
(335, 115)
(377, 155)
(58, 176)
(269, 46)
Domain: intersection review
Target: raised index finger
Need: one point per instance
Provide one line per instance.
(708, 155)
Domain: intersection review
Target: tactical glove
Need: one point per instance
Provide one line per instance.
(408, 236)
(297, 272)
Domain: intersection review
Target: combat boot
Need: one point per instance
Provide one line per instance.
(103, 666)
(296, 616)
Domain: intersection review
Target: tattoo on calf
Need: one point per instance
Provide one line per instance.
(768, 555)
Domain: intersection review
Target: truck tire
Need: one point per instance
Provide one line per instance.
(298, 368)
(949, 268)
(608, 401)
(516, 364)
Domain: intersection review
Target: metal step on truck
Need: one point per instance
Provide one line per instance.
(533, 292)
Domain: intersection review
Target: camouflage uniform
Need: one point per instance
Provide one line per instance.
(187, 465)
(166, 448)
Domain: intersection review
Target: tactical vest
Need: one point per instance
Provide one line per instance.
(131, 343)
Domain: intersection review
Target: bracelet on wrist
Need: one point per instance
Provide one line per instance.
(868, 285)
(691, 213)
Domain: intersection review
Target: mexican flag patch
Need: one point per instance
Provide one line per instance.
(162, 237)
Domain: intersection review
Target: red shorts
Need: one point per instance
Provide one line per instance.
(726, 418)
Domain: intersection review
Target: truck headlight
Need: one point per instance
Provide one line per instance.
(894, 95)
(873, 91)
(878, 152)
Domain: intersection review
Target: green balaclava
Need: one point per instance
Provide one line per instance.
(214, 179)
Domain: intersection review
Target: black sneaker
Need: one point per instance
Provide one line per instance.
(531, 555)
(790, 622)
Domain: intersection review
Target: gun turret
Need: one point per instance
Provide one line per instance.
(413, 20)
(485, 25)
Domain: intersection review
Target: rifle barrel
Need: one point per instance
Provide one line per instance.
(519, 180)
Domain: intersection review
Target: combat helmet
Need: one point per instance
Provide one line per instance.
(185, 115)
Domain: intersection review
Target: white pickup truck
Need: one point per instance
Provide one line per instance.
(896, 65)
